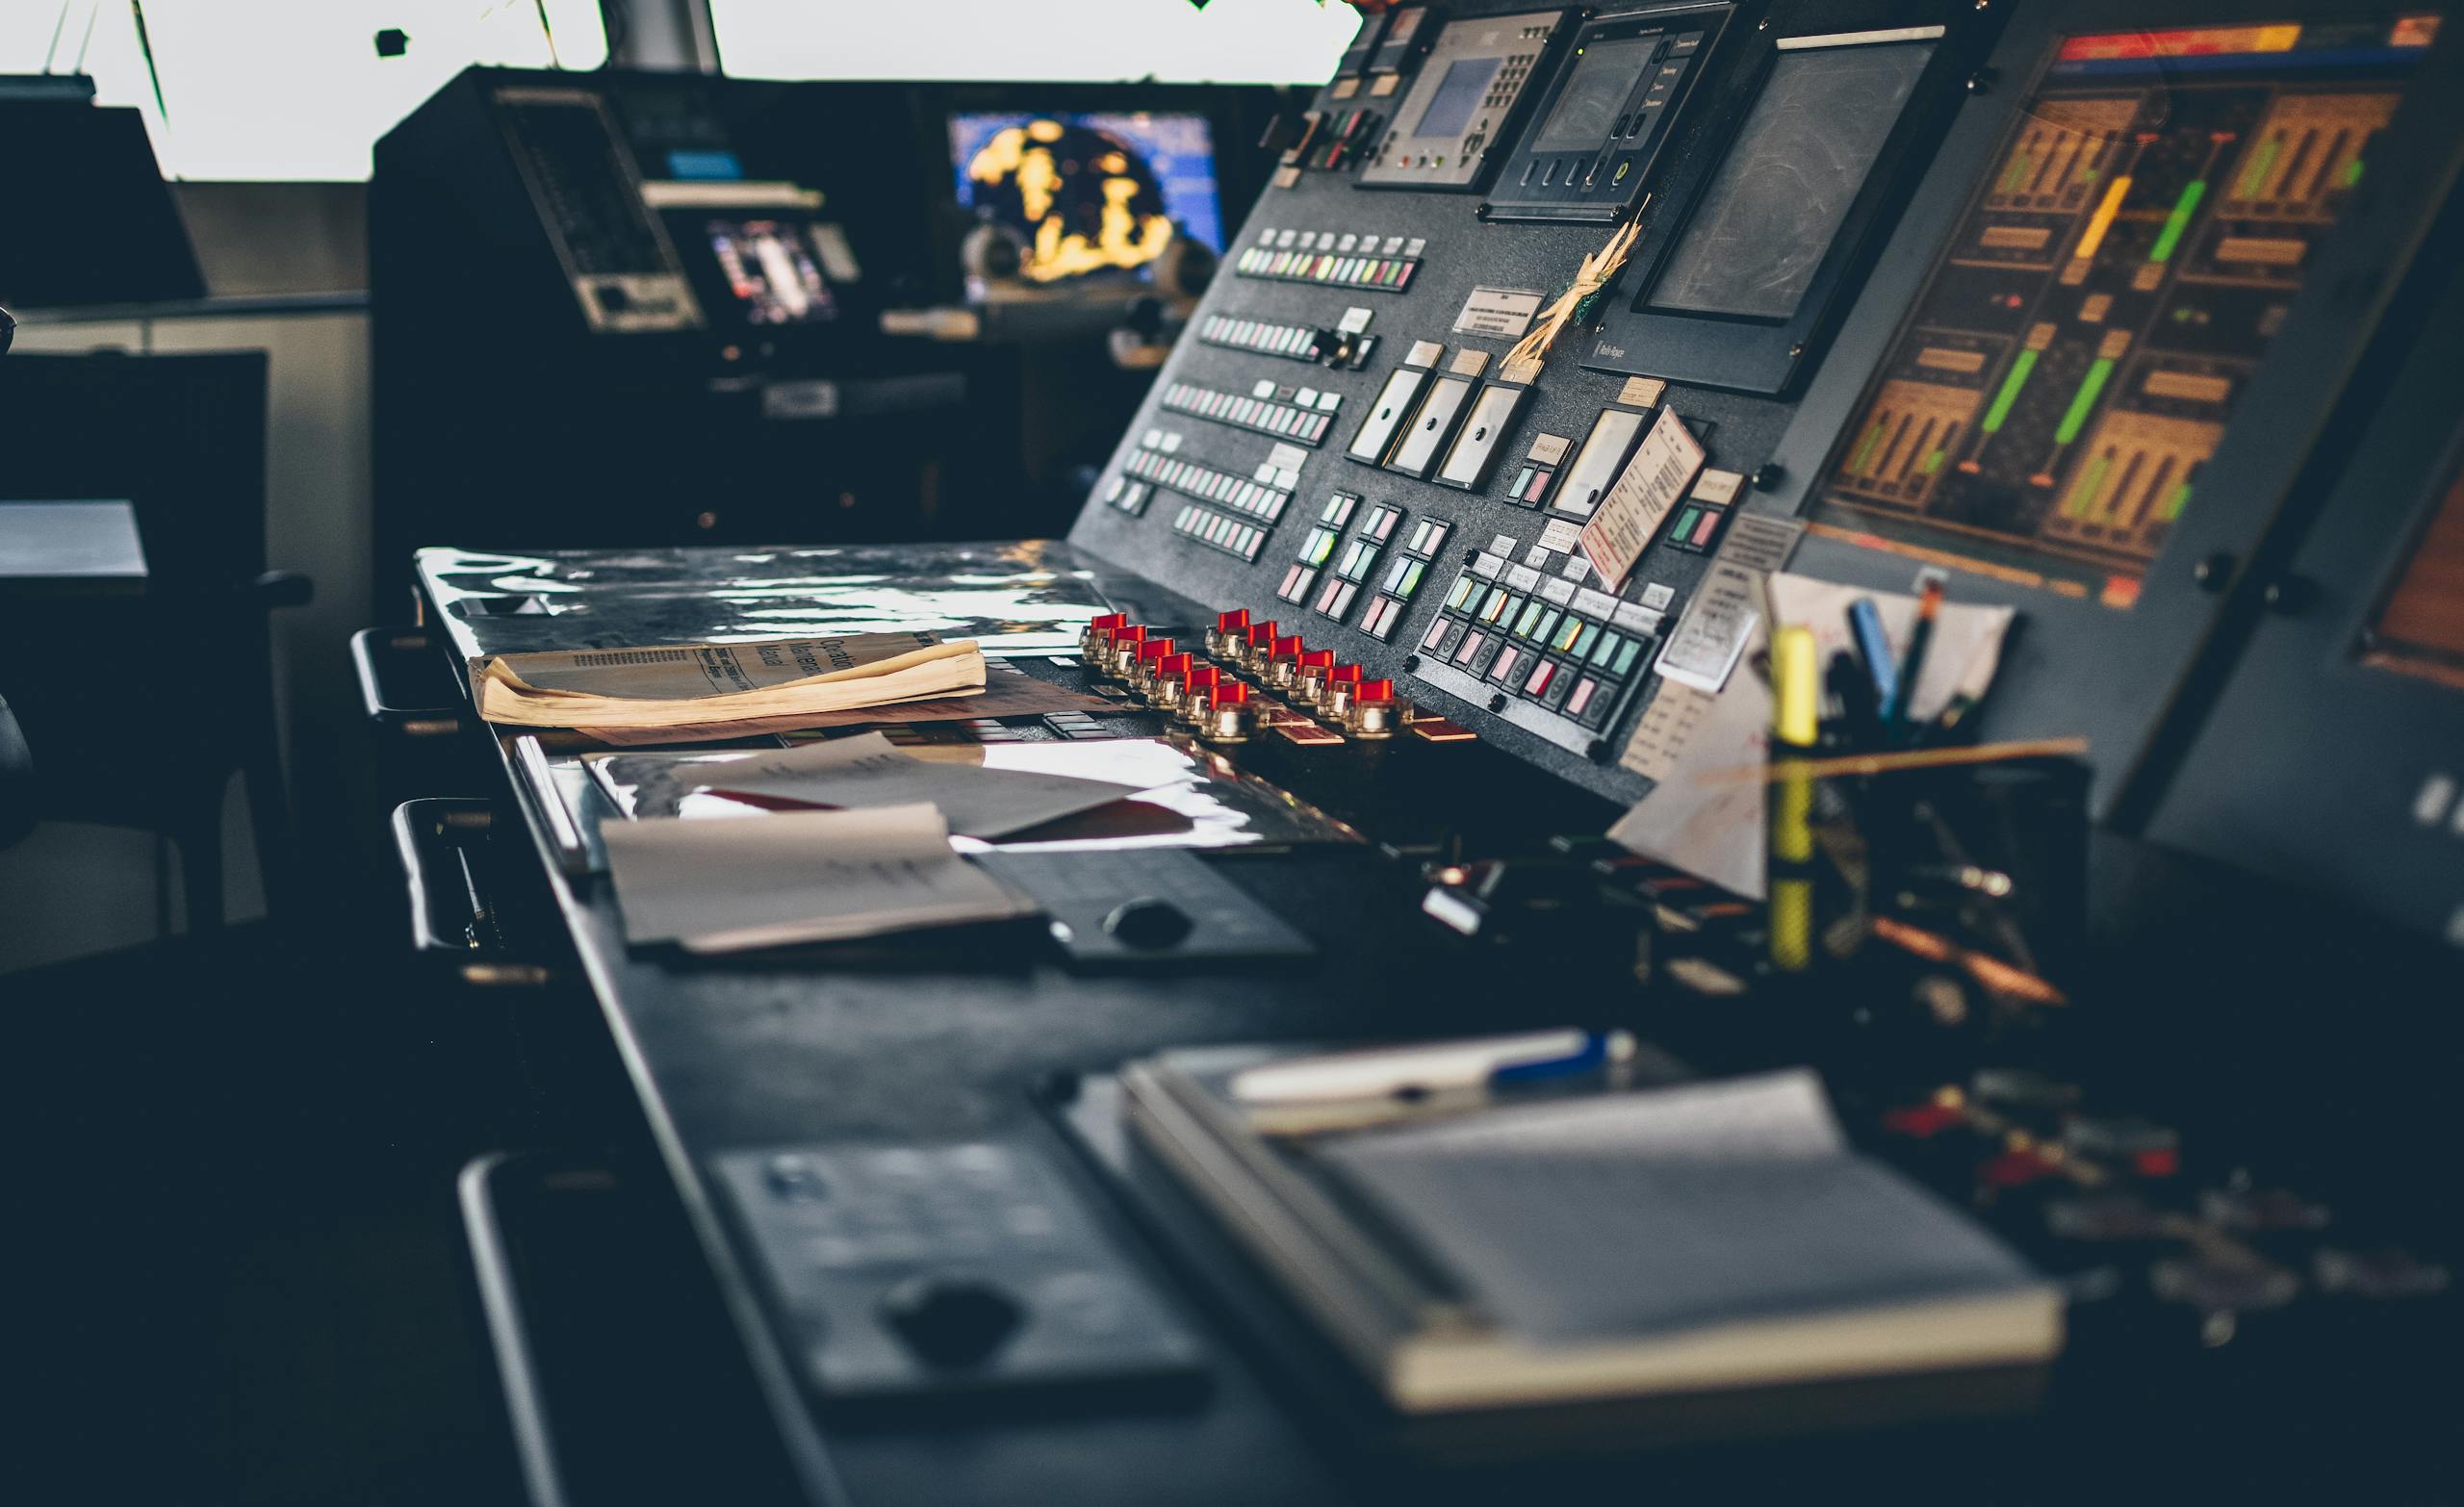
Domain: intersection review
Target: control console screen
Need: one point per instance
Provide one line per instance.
(2116, 281)
(1765, 224)
(771, 267)
(1090, 194)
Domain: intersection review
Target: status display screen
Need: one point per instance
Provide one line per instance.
(1588, 106)
(2114, 282)
(1090, 193)
(770, 268)
(1795, 168)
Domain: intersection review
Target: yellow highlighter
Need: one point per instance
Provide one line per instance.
(1794, 731)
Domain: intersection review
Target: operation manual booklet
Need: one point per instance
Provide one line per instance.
(714, 686)
(1708, 1238)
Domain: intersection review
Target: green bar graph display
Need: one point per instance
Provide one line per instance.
(2009, 393)
(2090, 478)
(2084, 401)
(2179, 221)
(2256, 175)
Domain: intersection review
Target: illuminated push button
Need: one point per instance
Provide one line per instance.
(1171, 673)
(1343, 692)
(1283, 663)
(1196, 689)
(1310, 676)
(2146, 1148)
(1375, 713)
(1227, 625)
(1228, 715)
(1150, 653)
(1087, 638)
(1124, 649)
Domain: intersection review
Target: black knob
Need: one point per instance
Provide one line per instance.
(1149, 923)
(951, 1321)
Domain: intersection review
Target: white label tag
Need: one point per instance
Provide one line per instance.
(1726, 608)
(1498, 313)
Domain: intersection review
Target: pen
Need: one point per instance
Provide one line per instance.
(1873, 648)
(1929, 606)
(1385, 1072)
(1847, 680)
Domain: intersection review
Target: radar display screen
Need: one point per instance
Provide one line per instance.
(2419, 627)
(1090, 193)
(771, 268)
(1795, 167)
(2115, 280)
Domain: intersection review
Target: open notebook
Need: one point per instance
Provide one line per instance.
(1701, 1238)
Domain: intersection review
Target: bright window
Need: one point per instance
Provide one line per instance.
(286, 89)
(1230, 41)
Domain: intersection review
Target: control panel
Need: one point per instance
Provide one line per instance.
(1539, 305)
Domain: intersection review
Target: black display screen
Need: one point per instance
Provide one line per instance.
(1588, 105)
(1766, 223)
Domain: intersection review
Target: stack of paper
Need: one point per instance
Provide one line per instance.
(863, 772)
(716, 686)
(803, 876)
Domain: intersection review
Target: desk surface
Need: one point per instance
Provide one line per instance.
(913, 1041)
(69, 547)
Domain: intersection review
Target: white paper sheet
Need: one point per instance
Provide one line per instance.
(796, 877)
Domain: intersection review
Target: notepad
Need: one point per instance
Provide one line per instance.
(800, 877)
(1630, 1243)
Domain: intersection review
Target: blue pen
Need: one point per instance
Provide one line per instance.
(1873, 647)
(1600, 1048)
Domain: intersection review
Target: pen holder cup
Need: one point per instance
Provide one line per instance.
(1989, 857)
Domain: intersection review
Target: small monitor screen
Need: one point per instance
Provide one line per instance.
(1458, 95)
(2420, 628)
(1795, 167)
(2112, 286)
(1587, 107)
(770, 268)
(1090, 193)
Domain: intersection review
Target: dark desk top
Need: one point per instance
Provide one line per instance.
(929, 1041)
(731, 1053)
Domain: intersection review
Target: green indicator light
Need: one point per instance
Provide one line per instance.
(1865, 446)
(2256, 173)
(1931, 463)
(2017, 174)
(2090, 478)
(2352, 172)
(2009, 393)
(2083, 401)
(2179, 221)
(2175, 500)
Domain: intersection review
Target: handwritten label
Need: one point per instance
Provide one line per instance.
(1664, 464)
